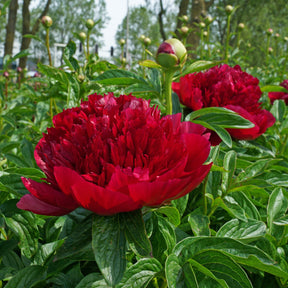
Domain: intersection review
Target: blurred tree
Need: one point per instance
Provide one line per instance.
(11, 27)
(26, 27)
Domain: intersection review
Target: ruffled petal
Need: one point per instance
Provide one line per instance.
(30, 203)
(46, 193)
(93, 197)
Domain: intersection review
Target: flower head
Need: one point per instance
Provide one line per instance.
(280, 95)
(269, 31)
(6, 74)
(171, 53)
(228, 9)
(114, 155)
(231, 88)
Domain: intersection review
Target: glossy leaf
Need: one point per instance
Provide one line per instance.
(135, 233)
(229, 164)
(109, 246)
(199, 224)
(141, 273)
(245, 231)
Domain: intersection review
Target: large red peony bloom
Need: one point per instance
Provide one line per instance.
(280, 95)
(231, 88)
(115, 155)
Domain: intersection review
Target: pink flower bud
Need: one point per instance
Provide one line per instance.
(19, 69)
(269, 31)
(6, 74)
(171, 53)
(47, 21)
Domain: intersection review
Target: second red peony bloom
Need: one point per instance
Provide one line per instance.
(228, 87)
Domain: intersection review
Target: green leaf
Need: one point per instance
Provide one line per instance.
(198, 66)
(243, 254)
(109, 246)
(253, 170)
(221, 132)
(276, 178)
(273, 88)
(245, 231)
(27, 277)
(135, 233)
(229, 164)
(93, 280)
(27, 150)
(68, 58)
(282, 221)
(220, 267)
(35, 37)
(279, 109)
(172, 213)
(141, 273)
(240, 206)
(199, 224)
(119, 77)
(7, 246)
(174, 273)
(277, 206)
(150, 64)
(181, 204)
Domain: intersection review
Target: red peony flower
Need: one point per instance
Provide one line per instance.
(231, 88)
(115, 155)
(280, 95)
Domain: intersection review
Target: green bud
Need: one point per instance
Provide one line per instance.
(269, 31)
(241, 26)
(202, 25)
(228, 9)
(171, 53)
(89, 24)
(147, 41)
(82, 36)
(184, 30)
(122, 42)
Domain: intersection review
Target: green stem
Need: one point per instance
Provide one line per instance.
(204, 195)
(167, 91)
(267, 48)
(283, 145)
(208, 46)
(201, 45)
(227, 38)
(88, 48)
(48, 46)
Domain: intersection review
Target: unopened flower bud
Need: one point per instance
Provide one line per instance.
(147, 41)
(46, 21)
(228, 9)
(184, 30)
(6, 74)
(81, 78)
(82, 36)
(89, 24)
(208, 19)
(202, 25)
(123, 61)
(277, 35)
(19, 69)
(171, 53)
(142, 37)
(241, 26)
(205, 33)
(122, 42)
(269, 31)
(185, 18)
(285, 39)
(37, 74)
(270, 50)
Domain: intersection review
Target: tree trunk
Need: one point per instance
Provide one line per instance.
(10, 27)
(183, 9)
(199, 9)
(160, 20)
(26, 28)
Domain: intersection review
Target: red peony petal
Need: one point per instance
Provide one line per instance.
(48, 194)
(30, 203)
(93, 197)
(158, 192)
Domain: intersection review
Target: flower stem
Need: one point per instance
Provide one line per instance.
(227, 38)
(87, 44)
(167, 90)
(48, 46)
(202, 44)
(204, 195)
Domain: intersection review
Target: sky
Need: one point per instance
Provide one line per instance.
(117, 10)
